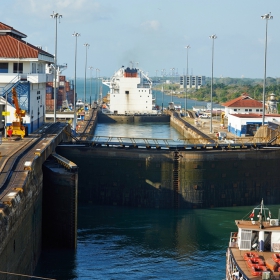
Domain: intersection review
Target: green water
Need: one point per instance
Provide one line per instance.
(125, 243)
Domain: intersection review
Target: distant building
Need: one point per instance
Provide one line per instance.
(245, 114)
(243, 104)
(248, 124)
(192, 81)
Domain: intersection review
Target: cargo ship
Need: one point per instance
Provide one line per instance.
(130, 93)
(254, 249)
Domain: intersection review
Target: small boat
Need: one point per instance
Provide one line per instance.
(250, 255)
(258, 271)
(254, 249)
(255, 262)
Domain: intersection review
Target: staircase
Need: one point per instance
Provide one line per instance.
(23, 92)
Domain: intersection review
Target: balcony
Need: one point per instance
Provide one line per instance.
(7, 78)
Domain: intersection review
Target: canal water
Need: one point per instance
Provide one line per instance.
(135, 243)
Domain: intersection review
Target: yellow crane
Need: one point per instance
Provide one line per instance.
(17, 126)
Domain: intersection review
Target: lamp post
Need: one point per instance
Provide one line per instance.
(187, 47)
(266, 17)
(97, 85)
(172, 69)
(75, 78)
(55, 16)
(90, 68)
(85, 86)
(213, 37)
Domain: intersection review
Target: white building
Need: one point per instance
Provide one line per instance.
(24, 67)
(130, 92)
(247, 124)
(243, 104)
(192, 81)
(245, 114)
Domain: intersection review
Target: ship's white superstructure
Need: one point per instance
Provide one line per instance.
(130, 92)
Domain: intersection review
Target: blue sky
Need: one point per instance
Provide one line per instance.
(153, 34)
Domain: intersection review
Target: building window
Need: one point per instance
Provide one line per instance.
(33, 67)
(257, 110)
(246, 110)
(235, 110)
(260, 110)
(3, 67)
(18, 68)
(250, 110)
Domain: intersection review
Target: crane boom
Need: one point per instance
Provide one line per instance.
(19, 113)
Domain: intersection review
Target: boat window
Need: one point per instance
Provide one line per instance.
(245, 242)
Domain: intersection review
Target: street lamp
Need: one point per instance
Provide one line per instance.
(90, 68)
(213, 37)
(55, 16)
(85, 87)
(75, 78)
(172, 69)
(97, 85)
(187, 47)
(266, 17)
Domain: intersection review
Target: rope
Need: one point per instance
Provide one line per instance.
(10, 273)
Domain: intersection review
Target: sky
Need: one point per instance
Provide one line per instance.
(153, 34)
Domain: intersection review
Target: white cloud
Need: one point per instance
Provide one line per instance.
(153, 25)
(69, 8)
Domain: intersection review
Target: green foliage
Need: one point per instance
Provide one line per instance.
(225, 89)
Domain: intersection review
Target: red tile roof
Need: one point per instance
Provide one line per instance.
(252, 115)
(243, 101)
(4, 28)
(12, 45)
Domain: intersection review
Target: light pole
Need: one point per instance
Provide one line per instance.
(55, 16)
(172, 69)
(90, 68)
(213, 37)
(85, 86)
(97, 85)
(75, 78)
(187, 47)
(266, 17)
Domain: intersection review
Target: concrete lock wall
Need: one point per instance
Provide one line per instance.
(184, 179)
(21, 227)
(21, 215)
(59, 206)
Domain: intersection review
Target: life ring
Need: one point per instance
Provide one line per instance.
(250, 255)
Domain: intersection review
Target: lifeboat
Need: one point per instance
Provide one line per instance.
(255, 262)
(257, 271)
(250, 255)
(276, 258)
